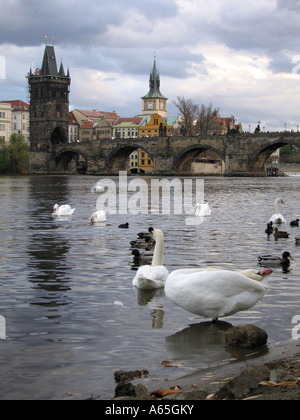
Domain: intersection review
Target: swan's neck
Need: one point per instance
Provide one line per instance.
(276, 206)
(158, 256)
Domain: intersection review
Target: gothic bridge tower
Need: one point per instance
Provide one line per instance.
(49, 102)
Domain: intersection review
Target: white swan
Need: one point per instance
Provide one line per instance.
(215, 293)
(97, 217)
(98, 188)
(153, 276)
(202, 209)
(64, 210)
(277, 218)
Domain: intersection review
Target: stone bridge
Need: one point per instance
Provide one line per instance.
(242, 154)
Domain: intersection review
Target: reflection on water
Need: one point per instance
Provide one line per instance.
(72, 315)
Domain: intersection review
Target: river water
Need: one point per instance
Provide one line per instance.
(72, 315)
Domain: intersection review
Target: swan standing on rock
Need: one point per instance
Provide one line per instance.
(64, 210)
(202, 209)
(277, 218)
(98, 217)
(153, 276)
(215, 293)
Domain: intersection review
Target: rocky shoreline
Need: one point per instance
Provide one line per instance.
(273, 376)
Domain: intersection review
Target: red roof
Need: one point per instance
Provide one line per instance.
(88, 124)
(17, 105)
(97, 114)
(134, 120)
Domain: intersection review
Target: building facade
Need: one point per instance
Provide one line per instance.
(5, 122)
(20, 118)
(49, 102)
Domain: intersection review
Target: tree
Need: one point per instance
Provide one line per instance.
(18, 153)
(206, 119)
(14, 157)
(189, 111)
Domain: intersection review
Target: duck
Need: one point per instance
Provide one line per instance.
(295, 222)
(142, 235)
(155, 275)
(202, 209)
(214, 293)
(98, 217)
(277, 218)
(64, 210)
(275, 260)
(270, 228)
(277, 234)
(124, 226)
(142, 243)
(145, 256)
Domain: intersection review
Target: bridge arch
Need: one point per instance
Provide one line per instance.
(259, 158)
(183, 160)
(117, 160)
(70, 161)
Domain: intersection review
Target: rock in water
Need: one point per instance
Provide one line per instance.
(246, 336)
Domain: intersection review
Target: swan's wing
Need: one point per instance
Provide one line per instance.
(148, 277)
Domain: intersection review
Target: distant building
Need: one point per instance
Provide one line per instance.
(5, 122)
(156, 126)
(49, 102)
(154, 102)
(20, 118)
(73, 129)
(83, 116)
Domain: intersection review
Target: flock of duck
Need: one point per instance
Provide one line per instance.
(206, 292)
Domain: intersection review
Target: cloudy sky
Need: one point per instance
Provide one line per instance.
(243, 56)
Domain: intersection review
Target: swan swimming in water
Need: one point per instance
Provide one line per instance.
(98, 217)
(64, 210)
(215, 293)
(153, 276)
(277, 218)
(202, 209)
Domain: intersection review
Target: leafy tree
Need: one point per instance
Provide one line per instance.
(14, 157)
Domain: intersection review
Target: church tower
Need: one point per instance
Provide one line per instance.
(154, 102)
(49, 102)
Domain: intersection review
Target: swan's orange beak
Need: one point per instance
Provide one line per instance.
(264, 273)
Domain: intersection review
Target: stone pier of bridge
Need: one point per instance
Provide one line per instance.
(241, 154)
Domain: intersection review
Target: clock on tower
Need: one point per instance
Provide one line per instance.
(154, 102)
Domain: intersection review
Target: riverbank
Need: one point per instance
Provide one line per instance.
(275, 375)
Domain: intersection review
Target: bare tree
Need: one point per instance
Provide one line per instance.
(189, 111)
(206, 119)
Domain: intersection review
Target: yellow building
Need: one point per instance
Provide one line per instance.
(145, 163)
(155, 126)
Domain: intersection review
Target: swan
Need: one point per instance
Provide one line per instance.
(215, 293)
(153, 276)
(202, 209)
(64, 210)
(277, 218)
(98, 188)
(97, 217)
(275, 260)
